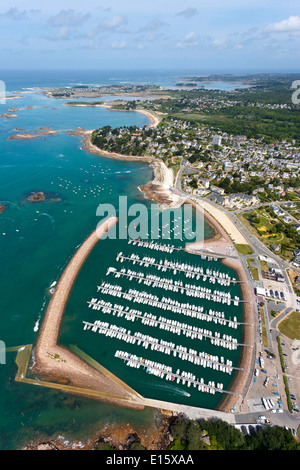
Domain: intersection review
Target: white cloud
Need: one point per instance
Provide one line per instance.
(17, 15)
(188, 12)
(68, 18)
(153, 25)
(292, 24)
(189, 40)
(237, 47)
(119, 45)
(114, 23)
(219, 43)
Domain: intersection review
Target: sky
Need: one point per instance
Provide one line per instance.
(216, 35)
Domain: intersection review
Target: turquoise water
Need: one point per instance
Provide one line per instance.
(36, 242)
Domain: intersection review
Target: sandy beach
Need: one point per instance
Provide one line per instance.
(154, 119)
(220, 237)
(53, 360)
(224, 222)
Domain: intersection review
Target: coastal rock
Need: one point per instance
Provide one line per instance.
(120, 437)
(8, 116)
(42, 132)
(40, 196)
(36, 197)
(42, 446)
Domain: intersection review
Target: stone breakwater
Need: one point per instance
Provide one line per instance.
(53, 360)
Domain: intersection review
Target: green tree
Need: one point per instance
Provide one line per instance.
(272, 438)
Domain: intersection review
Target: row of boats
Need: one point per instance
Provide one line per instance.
(192, 290)
(154, 245)
(193, 332)
(167, 248)
(201, 358)
(165, 303)
(190, 271)
(151, 319)
(165, 372)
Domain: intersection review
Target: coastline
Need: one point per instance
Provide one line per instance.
(158, 190)
(220, 237)
(154, 119)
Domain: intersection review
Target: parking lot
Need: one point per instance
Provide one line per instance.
(276, 290)
(291, 356)
(266, 383)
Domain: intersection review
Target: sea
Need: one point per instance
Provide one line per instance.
(37, 239)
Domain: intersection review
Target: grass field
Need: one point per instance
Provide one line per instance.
(244, 249)
(290, 327)
(253, 269)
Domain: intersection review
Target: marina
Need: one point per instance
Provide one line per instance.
(184, 310)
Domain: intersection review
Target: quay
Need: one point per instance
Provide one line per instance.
(22, 361)
(154, 245)
(205, 253)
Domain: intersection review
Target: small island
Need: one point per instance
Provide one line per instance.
(41, 196)
(8, 116)
(42, 132)
(2, 208)
(82, 91)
